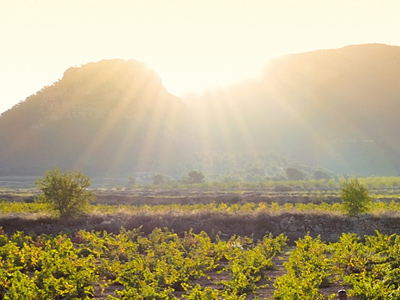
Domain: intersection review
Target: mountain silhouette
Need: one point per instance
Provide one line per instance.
(107, 117)
(334, 109)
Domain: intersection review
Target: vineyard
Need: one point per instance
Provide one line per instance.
(165, 265)
(244, 212)
(202, 243)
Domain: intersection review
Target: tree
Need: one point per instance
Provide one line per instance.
(321, 174)
(193, 177)
(65, 192)
(355, 198)
(159, 179)
(295, 174)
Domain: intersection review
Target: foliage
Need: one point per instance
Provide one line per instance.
(44, 268)
(307, 270)
(321, 174)
(249, 208)
(372, 267)
(248, 265)
(158, 179)
(295, 174)
(65, 192)
(355, 197)
(145, 267)
(193, 177)
(162, 264)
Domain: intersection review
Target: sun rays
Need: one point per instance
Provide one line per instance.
(142, 120)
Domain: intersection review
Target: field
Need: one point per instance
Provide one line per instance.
(201, 243)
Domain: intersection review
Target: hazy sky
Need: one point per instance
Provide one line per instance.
(191, 44)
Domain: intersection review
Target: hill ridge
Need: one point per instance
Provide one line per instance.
(332, 108)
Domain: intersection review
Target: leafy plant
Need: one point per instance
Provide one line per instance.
(355, 197)
(307, 269)
(193, 177)
(65, 192)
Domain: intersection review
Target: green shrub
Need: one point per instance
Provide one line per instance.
(308, 269)
(66, 192)
(355, 198)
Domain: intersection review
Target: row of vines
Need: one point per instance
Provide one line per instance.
(165, 265)
(377, 207)
(161, 265)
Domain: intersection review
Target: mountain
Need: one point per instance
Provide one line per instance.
(332, 109)
(336, 109)
(108, 117)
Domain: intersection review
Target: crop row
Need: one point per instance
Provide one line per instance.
(165, 265)
(156, 266)
(377, 207)
(369, 267)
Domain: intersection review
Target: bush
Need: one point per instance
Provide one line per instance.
(65, 192)
(158, 179)
(355, 198)
(320, 174)
(193, 177)
(293, 174)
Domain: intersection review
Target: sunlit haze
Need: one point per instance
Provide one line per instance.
(192, 45)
